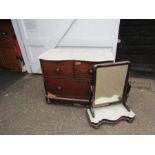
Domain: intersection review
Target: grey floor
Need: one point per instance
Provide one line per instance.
(23, 111)
(8, 77)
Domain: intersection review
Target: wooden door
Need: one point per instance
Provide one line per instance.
(40, 35)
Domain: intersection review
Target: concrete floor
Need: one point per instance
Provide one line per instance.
(8, 77)
(23, 111)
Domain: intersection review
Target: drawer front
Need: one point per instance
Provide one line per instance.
(68, 88)
(6, 31)
(8, 59)
(5, 42)
(57, 69)
(83, 69)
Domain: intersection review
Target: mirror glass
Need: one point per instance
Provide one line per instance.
(110, 82)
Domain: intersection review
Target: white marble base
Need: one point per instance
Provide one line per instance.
(110, 113)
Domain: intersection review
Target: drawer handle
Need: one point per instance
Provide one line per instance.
(59, 88)
(57, 70)
(90, 71)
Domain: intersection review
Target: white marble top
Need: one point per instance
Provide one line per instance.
(94, 54)
(111, 112)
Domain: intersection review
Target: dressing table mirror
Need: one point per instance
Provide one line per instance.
(109, 93)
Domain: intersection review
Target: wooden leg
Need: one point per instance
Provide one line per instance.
(47, 99)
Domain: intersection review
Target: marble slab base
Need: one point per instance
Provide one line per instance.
(110, 114)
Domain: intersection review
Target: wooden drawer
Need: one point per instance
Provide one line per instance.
(6, 28)
(5, 42)
(57, 68)
(83, 69)
(9, 60)
(9, 55)
(2, 62)
(68, 88)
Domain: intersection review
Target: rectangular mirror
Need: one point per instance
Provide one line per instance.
(110, 81)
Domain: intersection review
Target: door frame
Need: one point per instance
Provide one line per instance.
(21, 44)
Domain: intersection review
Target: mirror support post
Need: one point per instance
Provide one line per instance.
(92, 112)
(90, 101)
(126, 96)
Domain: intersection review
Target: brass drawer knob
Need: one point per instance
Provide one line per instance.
(90, 71)
(59, 88)
(57, 70)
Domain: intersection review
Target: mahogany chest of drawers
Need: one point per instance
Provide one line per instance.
(68, 81)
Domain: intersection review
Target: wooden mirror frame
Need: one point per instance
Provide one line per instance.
(126, 84)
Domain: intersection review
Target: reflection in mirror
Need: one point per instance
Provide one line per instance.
(110, 82)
